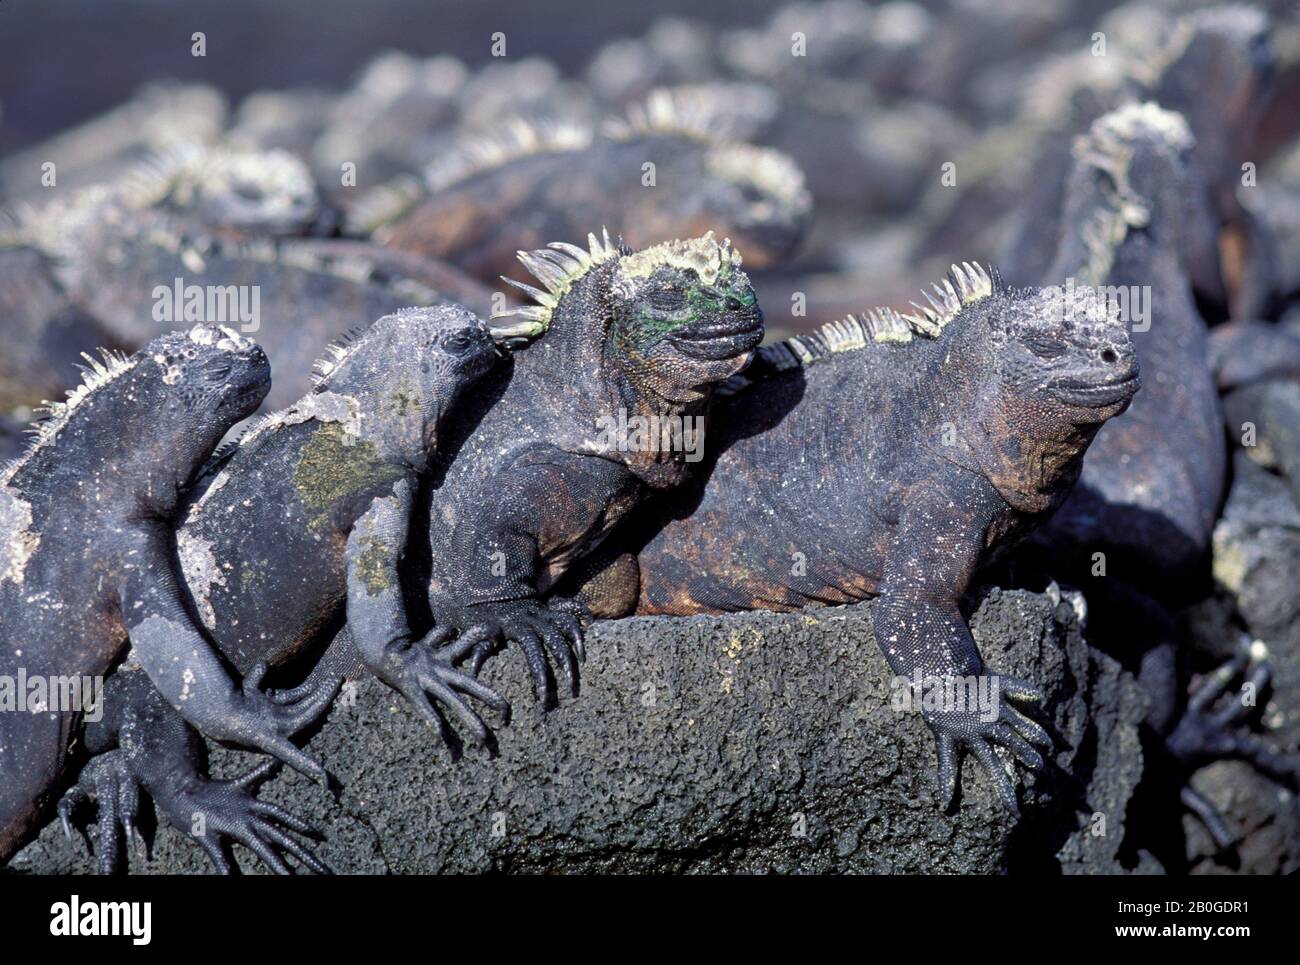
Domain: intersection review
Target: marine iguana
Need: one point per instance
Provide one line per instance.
(1152, 482)
(1213, 68)
(539, 470)
(302, 521)
(888, 456)
(532, 180)
(123, 265)
(85, 558)
(103, 149)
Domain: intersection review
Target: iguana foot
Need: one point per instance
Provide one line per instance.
(1213, 727)
(424, 668)
(265, 720)
(980, 729)
(539, 628)
(107, 781)
(215, 813)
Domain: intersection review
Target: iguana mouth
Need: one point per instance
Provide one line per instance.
(1095, 394)
(712, 340)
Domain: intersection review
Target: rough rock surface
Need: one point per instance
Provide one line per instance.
(749, 743)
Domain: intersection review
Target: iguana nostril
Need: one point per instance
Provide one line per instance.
(1108, 356)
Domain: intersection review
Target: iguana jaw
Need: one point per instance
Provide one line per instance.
(732, 336)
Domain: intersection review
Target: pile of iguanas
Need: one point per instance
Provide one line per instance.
(450, 479)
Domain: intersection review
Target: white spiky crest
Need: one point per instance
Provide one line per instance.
(697, 113)
(184, 171)
(704, 256)
(474, 152)
(771, 172)
(965, 285)
(53, 416)
(703, 112)
(336, 353)
(1108, 147)
(557, 267)
(514, 138)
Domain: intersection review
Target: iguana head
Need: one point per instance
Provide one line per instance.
(193, 387)
(667, 323)
(1026, 376)
(407, 370)
(1062, 352)
(683, 317)
(144, 424)
(258, 192)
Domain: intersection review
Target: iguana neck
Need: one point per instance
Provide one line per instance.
(1033, 468)
(384, 408)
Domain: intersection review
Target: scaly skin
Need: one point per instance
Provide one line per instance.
(529, 482)
(45, 333)
(891, 469)
(85, 563)
(478, 219)
(111, 259)
(1213, 68)
(301, 524)
(1153, 482)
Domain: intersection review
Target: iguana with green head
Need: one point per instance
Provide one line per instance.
(887, 456)
(537, 469)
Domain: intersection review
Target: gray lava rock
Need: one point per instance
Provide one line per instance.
(750, 743)
(1257, 550)
(1265, 817)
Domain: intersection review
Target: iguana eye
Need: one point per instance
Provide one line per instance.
(1045, 348)
(458, 343)
(218, 371)
(667, 299)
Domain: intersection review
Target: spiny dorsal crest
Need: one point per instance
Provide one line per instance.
(516, 137)
(716, 115)
(1108, 147)
(699, 113)
(474, 152)
(704, 256)
(560, 265)
(771, 172)
(966, 284)
(184, 170)
(336, 353)
(53, 416)
(557, 267)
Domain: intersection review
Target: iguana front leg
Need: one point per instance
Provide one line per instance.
(920, 628)
(190, 673)
(545, 509)
(379, 630)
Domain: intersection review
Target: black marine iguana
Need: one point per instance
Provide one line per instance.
(1212, 67)
(305, 518)
(539, 471)
(123, 265)
(1152, 482)
(887, 456)
(492, 195)
(85, 557)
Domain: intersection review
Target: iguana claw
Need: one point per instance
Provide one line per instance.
(956, 727)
